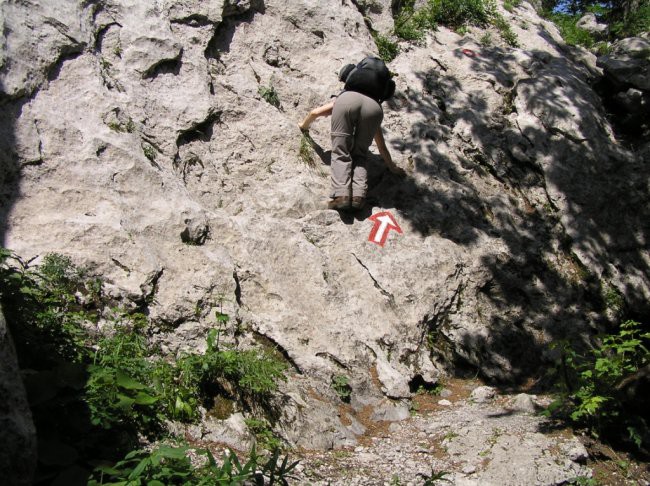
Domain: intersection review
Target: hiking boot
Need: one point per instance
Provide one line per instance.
(340, 202)
(358, 202)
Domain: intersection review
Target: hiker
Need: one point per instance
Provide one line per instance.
(356, 122)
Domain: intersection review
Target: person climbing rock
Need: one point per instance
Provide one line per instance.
(356, 121)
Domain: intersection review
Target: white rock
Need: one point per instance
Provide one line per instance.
(523, 403)
(482, 394)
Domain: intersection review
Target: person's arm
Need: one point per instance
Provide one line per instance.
(325, 110)
(385, 154)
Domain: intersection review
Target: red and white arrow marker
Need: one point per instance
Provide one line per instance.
(384, 222)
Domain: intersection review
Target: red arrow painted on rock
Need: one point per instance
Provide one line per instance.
(384, 222)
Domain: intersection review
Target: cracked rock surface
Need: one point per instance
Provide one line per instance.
(135, 139)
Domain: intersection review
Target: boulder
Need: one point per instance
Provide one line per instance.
(17, 431)
(590, 23)
(628, 63)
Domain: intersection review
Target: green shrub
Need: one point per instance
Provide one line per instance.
(388, 49)
(129, 383)
(43, 311)
(486, 40)
(341, 385)
(589, 397)
(149, 152)
(306, 152)
(411, 24)
(510, 5)
(456, 13)
(572, 34)
(505, 30)
(263, 434)
(635, 24)
(167, 465)
(270, 95)
(91, 396)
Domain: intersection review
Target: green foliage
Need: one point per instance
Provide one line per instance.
(411, 24)
(341, 385)
(388, 49)
(149, 152)
(45, 303)
(634, 24)
(510, 5)
(486, 40)
(433, 390)
(270, 95)
(589, 398)
(582, 481)
(625, 18)
(263, 434)
(434, 477)
(168, 465)
(130, 383)
(91, 395)
(572, 35)
(505, 30)
(456, 13)
(306, 152)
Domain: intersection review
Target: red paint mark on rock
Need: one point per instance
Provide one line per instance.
(384, 222)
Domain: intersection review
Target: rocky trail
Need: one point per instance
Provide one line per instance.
(467, 434)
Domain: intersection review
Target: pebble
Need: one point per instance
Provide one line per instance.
(445, 403)
(469, 469)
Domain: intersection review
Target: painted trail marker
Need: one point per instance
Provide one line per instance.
(384, 222)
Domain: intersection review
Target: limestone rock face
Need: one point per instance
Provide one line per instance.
(626, 71)
(137, 139)
(18, 450)
(628, 63)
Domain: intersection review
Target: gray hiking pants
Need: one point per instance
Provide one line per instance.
(355, 121)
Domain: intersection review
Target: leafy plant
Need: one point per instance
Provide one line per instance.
(510, 5)
(434, 477)
(388, 49)
(506, 32)
(589, 397)
(91, 395)
(486, 40)
(263, 434)
(456, 13)
(341, 385)
(306, 152)
(270, 95)
(149, 152)
(411, 24)
(571, 33)
(45, 303)
(634, 24)
(167, 465)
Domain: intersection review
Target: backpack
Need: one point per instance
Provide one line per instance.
(370, 77)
